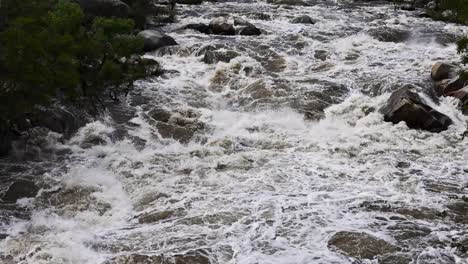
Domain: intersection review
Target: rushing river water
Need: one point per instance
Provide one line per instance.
(259, 183)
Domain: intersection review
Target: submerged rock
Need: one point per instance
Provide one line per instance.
(405, 105)
(21, 188)
(387, 34)
(360, 245)
(188, 258)
(154, 40)
(212, 57)
(303, 20)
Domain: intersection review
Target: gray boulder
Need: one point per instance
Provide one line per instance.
(387, 34)
(442, 71)
(105, 8)
(448, 86)
(212, 57)
(405, 105)
(154, 40)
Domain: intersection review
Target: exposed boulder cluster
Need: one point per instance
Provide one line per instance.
(406, 105)
(222, 26)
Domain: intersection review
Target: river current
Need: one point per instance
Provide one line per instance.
(290, 148)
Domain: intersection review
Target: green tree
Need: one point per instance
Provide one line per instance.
(48, 49)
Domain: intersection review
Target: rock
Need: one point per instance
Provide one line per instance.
(461, 94)
(405, 105)
(137, 259)
(154, 40)
(396, 259)
(288, 2)
(448, 86)
(160, 114)
(191, 259)
(21, 188)
(435, 257)
(176, 132)
(387, 34)
(241, 22)
(202, 28)
(189, 2)
(5, 139)
(159, 216)
(360, 245)
(458, 212)
(105, 8)
(303, 20)
(55, 119)
(92, 140)
(212, 57)
(249, 30)
(442, 71)
(404, 231)
(321, 55)
(220, 26)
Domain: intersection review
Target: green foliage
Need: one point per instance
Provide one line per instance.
(46, 49)
(458, 7)
(462, 49)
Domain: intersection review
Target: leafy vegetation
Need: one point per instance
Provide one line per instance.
(49, 50)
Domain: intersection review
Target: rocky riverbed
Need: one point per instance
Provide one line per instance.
(263, 142)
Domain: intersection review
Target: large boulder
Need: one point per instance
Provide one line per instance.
(442, 71)
(56, 119)
(405, 105)
(105, 8)
(360, 245)
(461, 94)
(154, 39)
(220, 26)
(21, 188)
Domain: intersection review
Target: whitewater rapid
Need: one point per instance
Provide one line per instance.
(260, 184)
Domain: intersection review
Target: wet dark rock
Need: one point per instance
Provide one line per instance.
(321, 55)
(176, 132)
(448, 86)
(93, 140)
(421, 213)
(3, 236)
(441, 71)
(190, 2)
(405, 105)
(386, 34)
(404, 231)
(202, 28)
(360, 245)
(458, 212)
(249, 30)
(238, 21)
(159, 216)
(461, 94)
(403, 164)
(396, 259)
(434, 257)
(56, 119)
(154, 40)
(192, 257)
(120, 112)
(212, 57)
(303, 20)
(21, 188)
(288, 2)
(6, 138)
(160, 114)
(137, 259)
(220, 26)
(105, 8)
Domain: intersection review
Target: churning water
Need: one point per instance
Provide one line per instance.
(259, 183)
